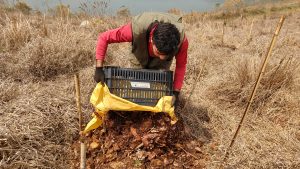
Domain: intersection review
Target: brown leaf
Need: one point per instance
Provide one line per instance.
(167, 118)
(154, 130)
(151, 155)
(151, 136)
(145, 141)
(134, 133)
(116, 147)
(107, 144)
(148, 137)
(110, 151)
(141, 155)
(177, 145)
(163, 129)
(198, 149)
(116, 165)
(166, 161)
(156, 162)
(158, 151)
(146, 124)
(193, 143)
(175, 164)
(94, 145)
(108, 155)
(133, 145)
(199, 163)
(170, 153)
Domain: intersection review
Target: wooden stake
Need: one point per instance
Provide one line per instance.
(82, 155)
(254, 90)
(78, 103)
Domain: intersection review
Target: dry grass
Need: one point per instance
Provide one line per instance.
(34, 131)
(15, 33)
(39, 54)
(233, 9)
(270, 136)
(279, 76)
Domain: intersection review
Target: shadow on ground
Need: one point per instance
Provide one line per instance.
(194, 118)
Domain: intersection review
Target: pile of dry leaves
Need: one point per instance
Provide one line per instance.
(141, 140)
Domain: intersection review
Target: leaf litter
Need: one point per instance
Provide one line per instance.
(141, 140)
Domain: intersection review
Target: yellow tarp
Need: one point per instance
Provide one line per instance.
(104, 101)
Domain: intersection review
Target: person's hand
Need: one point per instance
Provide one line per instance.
(175, 98)
(99, 75)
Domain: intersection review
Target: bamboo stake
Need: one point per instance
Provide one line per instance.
(82, 155)
(254, 89)
(78, 103)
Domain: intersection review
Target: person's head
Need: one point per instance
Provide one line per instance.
(166, 39)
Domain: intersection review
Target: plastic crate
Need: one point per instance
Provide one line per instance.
(141, 86)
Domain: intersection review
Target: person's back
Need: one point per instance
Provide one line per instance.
(163, 31)
(156, 39)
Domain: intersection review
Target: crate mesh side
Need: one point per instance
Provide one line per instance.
(119, 82)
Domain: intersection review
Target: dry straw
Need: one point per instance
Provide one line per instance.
(254, 90)
(194, 86)
(39, 122)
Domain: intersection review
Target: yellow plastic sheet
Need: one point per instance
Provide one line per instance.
(103, 101)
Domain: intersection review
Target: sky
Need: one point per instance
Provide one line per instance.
(135, 6)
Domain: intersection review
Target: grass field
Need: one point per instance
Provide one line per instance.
(40, 53)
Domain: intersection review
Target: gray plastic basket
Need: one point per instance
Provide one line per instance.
(141, 86)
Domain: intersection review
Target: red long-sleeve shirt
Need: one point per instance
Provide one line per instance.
(124, 34)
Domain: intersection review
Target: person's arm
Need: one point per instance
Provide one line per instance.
(121, 34)
(181, 61)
